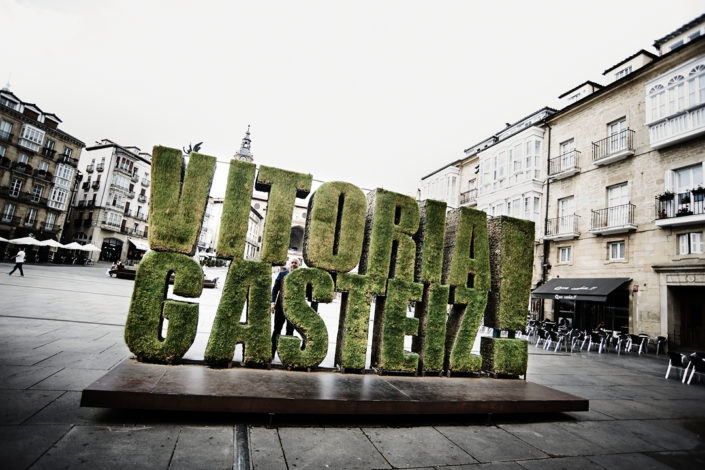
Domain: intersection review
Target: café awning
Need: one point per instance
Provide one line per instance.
(593, 289)
(139, 244)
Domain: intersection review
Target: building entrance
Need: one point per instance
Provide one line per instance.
(111, 250)
(688, 311)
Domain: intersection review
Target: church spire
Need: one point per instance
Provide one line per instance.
(244, 153)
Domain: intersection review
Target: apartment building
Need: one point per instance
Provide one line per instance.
(624, 219)
(111, 207)
(37, 170)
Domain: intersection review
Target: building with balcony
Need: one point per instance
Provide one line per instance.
(624, 198)
(112, 204)
(37, 170)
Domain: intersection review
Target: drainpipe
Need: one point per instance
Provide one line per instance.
(546, 243)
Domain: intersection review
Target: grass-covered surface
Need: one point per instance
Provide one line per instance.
(389, 251)
(143, 328)
(397, 325)
(467, 252)
(464, 322)
(504, 356)
(176, 205)
(236, 210)
(430, 239)
(335, 224)
(306, 320)
(351, 347)
(511, 248)
(247, 281)
(433, 320)
(283, 187)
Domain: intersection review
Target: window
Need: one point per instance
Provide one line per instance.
(564, 254)
(676, 94)
(31, 137)
(696, 85)
(5, 130)
(31, 217)
(23, 158)
(566, 211)
(677, 44)
(68, 151)
(616, 250)
(37, 193)
(567, 153)
(57, 198)
(44, 166)
(5, 102)
(618, 135)
(690, 243)
(51, 218)
(15, 187)
(657, 101)
(688, 178)
(625, 71)
(49, 144)
(574, 98)
(2, 150)
(8, 212)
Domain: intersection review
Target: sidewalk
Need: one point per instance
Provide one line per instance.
(61, 328)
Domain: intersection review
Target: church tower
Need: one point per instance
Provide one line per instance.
(244, 152)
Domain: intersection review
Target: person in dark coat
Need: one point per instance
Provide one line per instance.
(278, 306)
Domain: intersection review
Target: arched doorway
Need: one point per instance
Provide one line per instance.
(111, 249)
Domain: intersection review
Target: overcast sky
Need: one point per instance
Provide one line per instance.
(375, 93)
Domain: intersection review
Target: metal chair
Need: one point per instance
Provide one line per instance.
(636, 340)
(698, 365)
(677, 361)
(661, 343)
(598, 339)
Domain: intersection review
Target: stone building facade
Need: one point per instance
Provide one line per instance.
(37, 170)
(624, 166)
(111, 208)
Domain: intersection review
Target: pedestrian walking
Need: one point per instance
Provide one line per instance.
(19, 261)
(278, 306)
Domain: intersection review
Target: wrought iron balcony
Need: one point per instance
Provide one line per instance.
(100, 167)
(562, 228)
(85, 186)
(564, 165)
(63, 158)
(22, 168)
(53, 228)
(680, 209)
(142, 198)
(468, 198)
(43, 174)
(135, 178)
(141, 216)
(112, 226)
(145, 182)
(615, 219)
(131, 194)
(48, 153)
(96, 184)
(5, 162)
(28, 223)
(9, 220)
(6, 136)
(90, 168)
(613, 148)
(128, 212)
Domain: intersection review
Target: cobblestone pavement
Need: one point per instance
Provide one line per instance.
(61, 328)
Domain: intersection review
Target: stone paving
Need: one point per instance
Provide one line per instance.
(61, 328)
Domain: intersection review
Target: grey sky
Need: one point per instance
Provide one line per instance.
(376, 93)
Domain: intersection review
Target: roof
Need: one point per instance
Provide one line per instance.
(642, 51)
(588, 82)
(106, 143)
(545, 108)
(591, 289)
(681, 30)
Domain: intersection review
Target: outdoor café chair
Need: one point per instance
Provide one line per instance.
(678, 361)
(661, 343)
(541, 335)
(638, 341)
(698, 365)
(598, 339)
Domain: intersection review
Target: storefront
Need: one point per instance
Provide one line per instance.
(136, 248)
(584, 303)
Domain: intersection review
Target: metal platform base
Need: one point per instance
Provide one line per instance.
(241, 390)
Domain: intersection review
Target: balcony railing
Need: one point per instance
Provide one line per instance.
(113, 226)
(615, 219)
(613, 148)
(96, 184)
(48, 153)
(63, 158)
(131, 194)
(142, 198)
(680, 209)
(9, 220)
(145, 182)
(50, 227)
(86, 204)
(22, 168)
(28, 144)
(468, 197)
(5, 136)
(43, 174)
(100, 167)
(90, 168)
(141, 216)
(135, 178)
(118, 187)
(85, 185)
(5, 162)
(29, 223)
(564, 165)
(562, 228)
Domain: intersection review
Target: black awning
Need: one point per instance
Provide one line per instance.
(590, 289)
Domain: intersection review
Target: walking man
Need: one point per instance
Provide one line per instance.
(19, 261)
(278, 306)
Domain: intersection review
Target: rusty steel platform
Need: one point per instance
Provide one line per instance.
(138, 385)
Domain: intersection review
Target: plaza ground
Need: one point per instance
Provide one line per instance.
(61, 328)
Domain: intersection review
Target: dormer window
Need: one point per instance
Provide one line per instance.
(625, 71)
